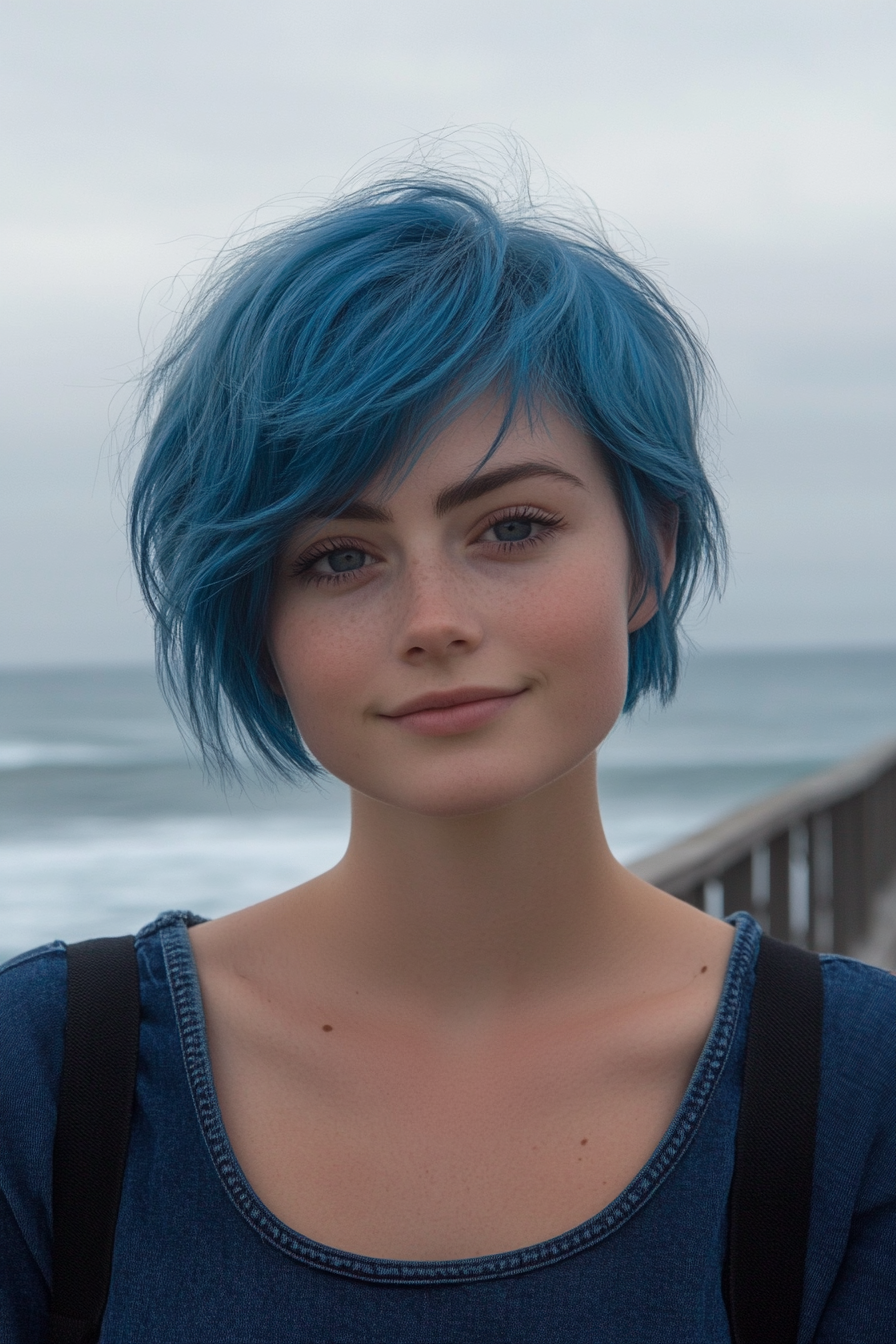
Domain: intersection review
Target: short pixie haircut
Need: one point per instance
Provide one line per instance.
(333, 349)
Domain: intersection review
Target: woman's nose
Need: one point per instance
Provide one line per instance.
(439, 620)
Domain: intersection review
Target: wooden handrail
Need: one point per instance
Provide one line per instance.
(806, 860)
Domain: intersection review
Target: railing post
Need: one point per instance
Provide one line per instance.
(693, 896)
(761, 885)
(881, 829)
(889, 823)
(799, 894)
(849, 873)
(779, 886)
(738, 884)
(821, 861)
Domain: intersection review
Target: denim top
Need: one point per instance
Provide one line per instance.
(200, 1260)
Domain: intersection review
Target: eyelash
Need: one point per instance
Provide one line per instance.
(302, 568)
(550, 524)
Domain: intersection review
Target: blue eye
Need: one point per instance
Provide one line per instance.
(513, 529)
(342, 562)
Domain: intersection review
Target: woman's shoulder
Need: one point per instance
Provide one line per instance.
(33, 1000)
(857, 1103)
(859, 1036)
(860, 1018)
(33, 1010)
(849, 1261)
(33, 972)
(32, 1018)
(32, 1022)
(33, 992)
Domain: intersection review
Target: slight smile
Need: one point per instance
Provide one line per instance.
(445, 713)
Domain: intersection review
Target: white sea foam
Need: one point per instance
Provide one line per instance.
(29, 755)
(25, 755)
(112, 878)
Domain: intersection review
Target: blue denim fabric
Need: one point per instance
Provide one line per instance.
(200, 1260)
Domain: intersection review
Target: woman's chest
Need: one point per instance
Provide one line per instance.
(386, 1148)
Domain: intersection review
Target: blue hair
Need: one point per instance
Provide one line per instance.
(337, 346)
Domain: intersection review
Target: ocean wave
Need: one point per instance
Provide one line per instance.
(37, 755)
(98, 878)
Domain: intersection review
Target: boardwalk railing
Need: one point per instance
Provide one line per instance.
(807, 861)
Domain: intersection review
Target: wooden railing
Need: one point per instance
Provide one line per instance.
(807, 861)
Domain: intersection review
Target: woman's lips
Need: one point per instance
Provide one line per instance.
(444, 720)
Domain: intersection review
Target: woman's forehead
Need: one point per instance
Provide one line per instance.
(477, 447)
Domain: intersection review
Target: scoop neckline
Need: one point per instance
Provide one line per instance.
(172, 929)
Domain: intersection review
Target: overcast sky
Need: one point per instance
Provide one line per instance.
(744, 150)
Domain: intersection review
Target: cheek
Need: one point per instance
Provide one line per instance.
(579, 629)
(322, 665)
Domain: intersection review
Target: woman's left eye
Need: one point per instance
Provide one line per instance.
(516, 530)
(332, 563)
(344, 561)
(512, 529)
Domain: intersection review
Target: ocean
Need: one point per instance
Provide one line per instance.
(105, 819)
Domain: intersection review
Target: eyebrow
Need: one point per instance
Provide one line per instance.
(454, 496)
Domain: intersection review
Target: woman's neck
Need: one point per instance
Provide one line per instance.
(469, 911)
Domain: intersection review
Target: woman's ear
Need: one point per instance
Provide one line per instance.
(644, 597)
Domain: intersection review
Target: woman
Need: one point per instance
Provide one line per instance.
(421, 504)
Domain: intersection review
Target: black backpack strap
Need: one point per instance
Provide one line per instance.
(771, 1191)
(96, 1098)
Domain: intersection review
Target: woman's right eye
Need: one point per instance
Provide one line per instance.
(340, 562)
(332, 563)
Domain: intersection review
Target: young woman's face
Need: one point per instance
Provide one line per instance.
(458, 643)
